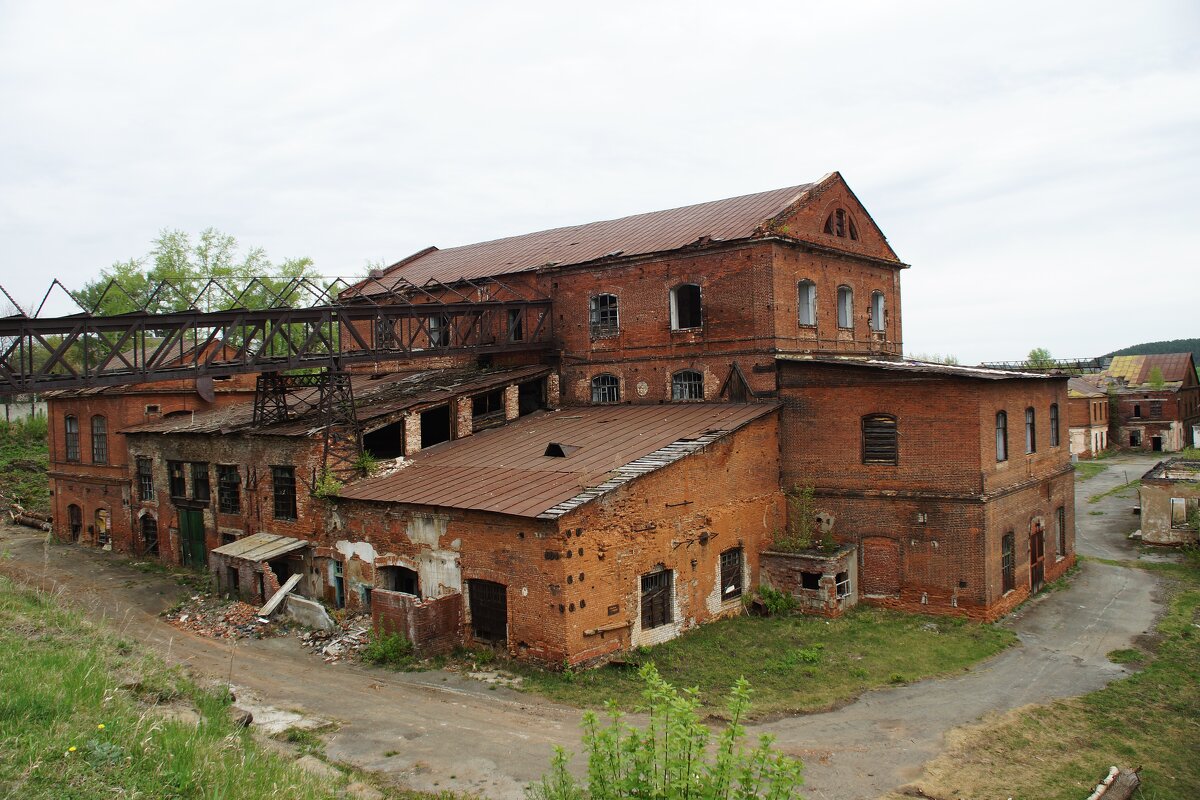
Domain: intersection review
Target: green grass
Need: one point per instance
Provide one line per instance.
(794, 663)
(1096, 498)
(24, 460)
(1085, 470)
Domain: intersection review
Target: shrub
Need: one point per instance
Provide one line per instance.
(388, 650)
(775, 601)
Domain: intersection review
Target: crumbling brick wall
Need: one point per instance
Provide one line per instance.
(434, 626)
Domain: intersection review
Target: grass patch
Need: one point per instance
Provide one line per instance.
(390, 650)
(795, 663)
(1060, 750)
(24, 459)
(1084, 470)
(1096, 498)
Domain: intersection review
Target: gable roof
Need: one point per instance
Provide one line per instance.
(1136, 370)
(506, 470)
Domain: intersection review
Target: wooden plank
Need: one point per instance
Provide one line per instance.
(277, 598)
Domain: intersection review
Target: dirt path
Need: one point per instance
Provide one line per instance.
(448, 732)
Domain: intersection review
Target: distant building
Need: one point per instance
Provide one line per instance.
(1157, 401)
(1170, 499)
(1087, 416)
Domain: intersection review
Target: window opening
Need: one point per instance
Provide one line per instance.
(810, 581)
(606, 389)
(686, 311)
(656, 599)
(807, 303)
(102, 527)
(880, 439)
(75, 521)
(200, 485)
(840, 224)
(845, 307)
(99, 440)
(531, 396)
(145, 474)
(385, 442)
(489, 611)
(1178, 512)
(516, 325)
(71, 427)
(1137, 409)
(1155, 409)
(1060, 524)
(1135, 438)
(176, 481)
(1008, 564)
(687, 384)
(731, 573)
(1030, 431)
(229, 489)
(603, 315)
(385, 333)
(877, 311)
(1001, 436)
(842, 580)
(283, 489)
(435, 426)
(1054, 425)
(488, 406)
(149, 535)
(400, 579)
(439, 330)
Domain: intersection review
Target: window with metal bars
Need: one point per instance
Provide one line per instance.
(99, 440)
(145, 475)
(1155, 409)
(880, 440)
(149, 535)
(1060, 523)
(603, 315)
(283, 487)
(71, 429)
(687, 384)
(656, 599)
(731, 573)
(176, 480)
(606, 389)
(229, 489)
(201, 489)
(1008, 563)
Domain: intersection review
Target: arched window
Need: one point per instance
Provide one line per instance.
(687, 384)
(149, 535)
(1001, 436)
(603, 316)
(845, 307)
(99, 440)
(1054, 424)
(1030, 431)
(71, 428)
(806, 302)
(880, 442)
(841, 225)
(878, 312)
(685, 307)
(606, 389)
(75, 521)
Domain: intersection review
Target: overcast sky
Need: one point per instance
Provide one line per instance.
(1038, 164)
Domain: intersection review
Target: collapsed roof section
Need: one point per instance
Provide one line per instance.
(919, 367)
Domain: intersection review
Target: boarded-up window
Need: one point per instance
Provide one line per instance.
(656, 599)
(880, 441)
(1155, 409)
(731, 573)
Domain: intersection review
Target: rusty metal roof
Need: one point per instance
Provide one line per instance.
(906, 365)
(261, 547)
(1136, 370)
(1079, 387)
(653, 232)
(506, 470)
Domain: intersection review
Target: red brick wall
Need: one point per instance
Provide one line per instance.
(1013, 397)
(434, 626)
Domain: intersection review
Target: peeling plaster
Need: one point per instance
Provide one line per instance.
(363, 550)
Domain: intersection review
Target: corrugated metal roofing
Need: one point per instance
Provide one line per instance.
(982, 373)
(652, 232)
(1078, 387)
(1136, 370)
(505, 470)
(261, 547)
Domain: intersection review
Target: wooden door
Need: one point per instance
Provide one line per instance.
(489, 611)
(191, 538)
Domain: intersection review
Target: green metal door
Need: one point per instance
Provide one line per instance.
(191, 538)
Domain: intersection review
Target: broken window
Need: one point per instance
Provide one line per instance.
(1030, 431)
(731, 573)
(877, 311)
(385, 333)
(283, 487)
(99, 440)
(531, 396)
(516, 325)
(880, 439)
(687, 384)
(606, 389)
(1060, 525)
(1178, 512)
(435, 426)
(71, 428)
(399, 579)
(200, 487)
(149, 535)
(842, 582)
(488, 406)
(806, 303)
(229, 492)
(602, 315)
(845, 307)
(1008, 564)
(1054, 424)
(145, 474)
(1135, 438)
(439, 330)
(656, 599)
(176, 480)
(685, 307)
(810, 581)
(1001, 436)
(75, 520)
(385, 442)
(839, 224)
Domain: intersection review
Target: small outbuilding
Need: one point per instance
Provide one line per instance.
(1170, 497)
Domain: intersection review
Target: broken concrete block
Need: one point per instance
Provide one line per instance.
(309, 612)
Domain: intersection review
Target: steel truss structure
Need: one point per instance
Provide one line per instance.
(1078, 366)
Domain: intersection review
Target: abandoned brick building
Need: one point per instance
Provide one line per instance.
(1169, 496)
(1157, 401)
(627, 482)
(1087, 417)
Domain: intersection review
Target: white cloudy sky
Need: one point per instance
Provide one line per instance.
(1037, 163)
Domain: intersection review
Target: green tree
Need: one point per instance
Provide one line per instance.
(1039, 358)
(671, 759)
(1155, 379)
(935, 358)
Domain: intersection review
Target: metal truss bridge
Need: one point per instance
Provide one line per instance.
(261, 325)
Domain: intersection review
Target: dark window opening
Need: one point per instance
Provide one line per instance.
(71, 428)
(880, 440)
(516, 325)
(1054, 425)
(399, 579)
(606, 389)
(439, 330)
(385, 333)
(687, 384)
(1137, 409)
(489, 611)
(283, 490)
(385, 442)
(487, 406)
(75, 521)
(686, 311)
(656, 599)
(810, 581)
(1001, 436)
(603, 316)
(232, 579)
(731, 573)
(435, 426)
(1156, 444)
(531, 396)
(842, 582)
(99, 440)
(1008, 564)
(839, 224)
(176, 480)
(149, 535)
(1135, 438)
(200, 486)
(1060, 523)
(1030, 431)
(229, 492)
(145, 475)
(152, 410)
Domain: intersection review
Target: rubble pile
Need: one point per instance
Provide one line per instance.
(342, 643)
(219, 619)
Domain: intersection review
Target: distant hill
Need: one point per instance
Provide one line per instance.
(1169, 346)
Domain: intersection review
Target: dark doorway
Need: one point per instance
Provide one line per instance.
(339, 586)
(191, 538)
(149, 535)
(386, 442)
(231, 582)
(489, 611)
(1037, 557)
(435, 426)
(1156, 444)
(75, 521)
(399, 579)
(531, 396)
